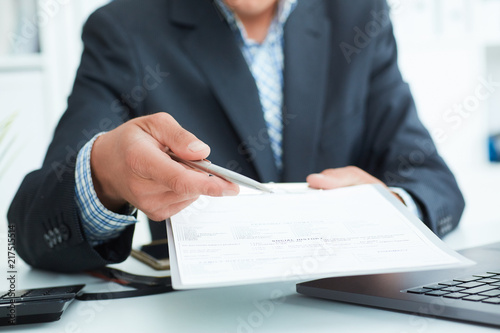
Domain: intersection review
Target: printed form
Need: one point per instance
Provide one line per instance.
(299, 234)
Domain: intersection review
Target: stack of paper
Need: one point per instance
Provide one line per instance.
(299, 234)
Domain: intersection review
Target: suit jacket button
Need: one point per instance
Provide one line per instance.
(53, 237)
(57, 235)
(64, 231)
(48, 240)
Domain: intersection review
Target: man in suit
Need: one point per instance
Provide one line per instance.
(278, 90)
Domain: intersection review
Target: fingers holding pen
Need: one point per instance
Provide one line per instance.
(130, 165)
(156, 165)
(169, 133)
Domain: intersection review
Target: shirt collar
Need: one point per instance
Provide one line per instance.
(285, 8)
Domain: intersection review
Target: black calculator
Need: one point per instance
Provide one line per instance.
(36, 305)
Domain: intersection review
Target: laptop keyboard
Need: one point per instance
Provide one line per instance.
(474, 288)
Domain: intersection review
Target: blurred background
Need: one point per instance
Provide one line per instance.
(449, 54)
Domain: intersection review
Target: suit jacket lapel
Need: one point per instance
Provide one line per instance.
(307, 45)
(212, 46)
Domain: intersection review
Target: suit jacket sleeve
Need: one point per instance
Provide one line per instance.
(44, 214)
(399, 149)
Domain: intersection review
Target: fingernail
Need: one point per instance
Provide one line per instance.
(197, 146)
(229, 193)
(319, 175)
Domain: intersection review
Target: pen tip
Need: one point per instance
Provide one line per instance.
(266, 189)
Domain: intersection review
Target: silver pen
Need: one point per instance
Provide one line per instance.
(231, 176)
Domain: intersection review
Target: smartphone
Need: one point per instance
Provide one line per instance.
(154, 254)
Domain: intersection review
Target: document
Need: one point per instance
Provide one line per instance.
(299, 234)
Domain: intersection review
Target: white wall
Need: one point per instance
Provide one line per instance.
(36, 86)
(444, 47)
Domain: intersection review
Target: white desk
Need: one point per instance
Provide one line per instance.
(244, 309)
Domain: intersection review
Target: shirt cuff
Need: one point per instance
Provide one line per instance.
(99, 223)
(408, 201)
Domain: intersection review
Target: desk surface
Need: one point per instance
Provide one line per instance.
(274, 307)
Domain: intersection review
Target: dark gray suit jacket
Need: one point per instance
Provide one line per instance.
(345, 104)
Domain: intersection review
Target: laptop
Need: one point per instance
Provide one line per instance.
(470, 294)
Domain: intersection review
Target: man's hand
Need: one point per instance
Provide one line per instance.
(342, 177)
(129, 165)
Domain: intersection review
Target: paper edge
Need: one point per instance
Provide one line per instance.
(174, 267)
(380, 189)
(420, 225)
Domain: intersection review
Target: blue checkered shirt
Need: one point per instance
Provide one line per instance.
(266, 63)
(99, 223)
